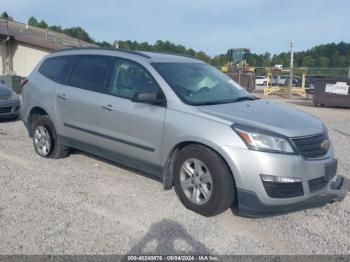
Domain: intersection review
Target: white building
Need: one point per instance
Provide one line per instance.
(23, 46)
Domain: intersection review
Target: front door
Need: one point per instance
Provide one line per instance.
(130, 129)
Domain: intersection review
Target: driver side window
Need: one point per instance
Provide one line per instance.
(128, 78)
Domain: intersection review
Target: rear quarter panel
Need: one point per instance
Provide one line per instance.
(39, 92)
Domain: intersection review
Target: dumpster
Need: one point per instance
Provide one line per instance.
(247, 81)
(332, 92)
(13, 82)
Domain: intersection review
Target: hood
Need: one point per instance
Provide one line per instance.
(4, 91)
(268, 115)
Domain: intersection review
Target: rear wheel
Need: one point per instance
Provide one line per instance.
(203, 181)
(45, 139)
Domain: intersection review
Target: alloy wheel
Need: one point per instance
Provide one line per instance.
(196, 181)
(42, 140)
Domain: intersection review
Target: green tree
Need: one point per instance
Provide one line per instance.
(203, 56)
(163, 46)
(266, 60)
(219, 60)
(56, 28)
(32, 21)
(335, 59)
(322, 61)
(43, 24)
(79, 33)
(103, 44)
(309, 61)
(5, 16)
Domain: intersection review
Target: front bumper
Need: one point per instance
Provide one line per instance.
(9, 108)
(251, 206)
(254, 200)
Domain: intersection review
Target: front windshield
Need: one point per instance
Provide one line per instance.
(201, 84)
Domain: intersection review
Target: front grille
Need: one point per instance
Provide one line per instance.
(4, 110)
(283, 190)
(317, 184)
(4, 97)
(312, 146)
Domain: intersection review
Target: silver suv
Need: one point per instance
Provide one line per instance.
(184, 121)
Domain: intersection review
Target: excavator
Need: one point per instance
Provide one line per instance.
(238, 69)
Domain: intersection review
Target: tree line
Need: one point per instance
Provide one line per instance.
(321, 56)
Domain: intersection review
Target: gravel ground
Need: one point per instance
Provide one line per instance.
(85, 205)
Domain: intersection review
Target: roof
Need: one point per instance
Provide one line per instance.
(39, 37)
(157, 57)
(163, 57)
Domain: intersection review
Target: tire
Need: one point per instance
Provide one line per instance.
(221, 186)
(56, 150)
(264, 84)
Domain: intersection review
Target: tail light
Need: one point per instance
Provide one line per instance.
(23, 82)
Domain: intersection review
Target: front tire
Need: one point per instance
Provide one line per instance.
(203, 181)
(45, 139)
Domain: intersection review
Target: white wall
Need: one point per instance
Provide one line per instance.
(26, 57)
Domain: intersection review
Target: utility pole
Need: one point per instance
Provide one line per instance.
(290, 84)
(349, 73)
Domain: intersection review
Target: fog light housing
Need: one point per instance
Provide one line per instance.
(279, 179)
(282, 187)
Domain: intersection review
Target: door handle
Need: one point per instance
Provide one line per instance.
(108, 108)
(62, 96)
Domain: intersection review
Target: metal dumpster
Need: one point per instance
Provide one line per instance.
(332, 92)
(13, 82)
(247, 81)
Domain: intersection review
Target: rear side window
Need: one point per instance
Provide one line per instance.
(57, 68)
(90, 73)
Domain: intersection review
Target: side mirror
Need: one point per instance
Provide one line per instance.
(148, 98)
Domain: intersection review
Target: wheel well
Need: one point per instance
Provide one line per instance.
(168, 174)
(34, 113)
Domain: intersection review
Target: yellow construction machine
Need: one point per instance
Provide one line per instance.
(238, 69)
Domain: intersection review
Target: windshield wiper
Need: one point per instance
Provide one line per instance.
(242, 98)
(226, 101)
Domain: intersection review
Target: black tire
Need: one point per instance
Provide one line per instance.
(57, 149)
(223, 194)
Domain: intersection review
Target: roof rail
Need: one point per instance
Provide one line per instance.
(103, 48)
(173, 53)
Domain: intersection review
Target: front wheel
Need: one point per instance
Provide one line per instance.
(203, 181)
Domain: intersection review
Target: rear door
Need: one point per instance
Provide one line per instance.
(78, 101)
(130, 129)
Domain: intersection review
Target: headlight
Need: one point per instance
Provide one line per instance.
(261, 140)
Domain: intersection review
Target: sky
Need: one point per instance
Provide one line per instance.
(212, 26)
